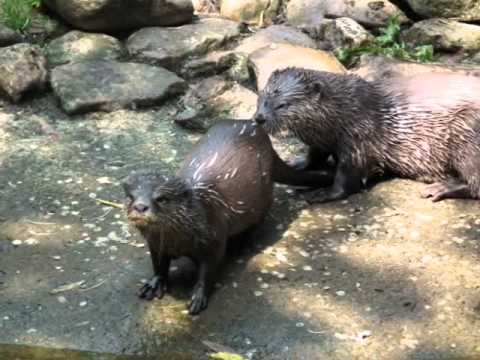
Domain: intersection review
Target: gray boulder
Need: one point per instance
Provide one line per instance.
(116, 15)
(108, 85)
(171, 45)
(444, 34)
(23, 67)
(310, 13)
(458, 9)
(77, 46)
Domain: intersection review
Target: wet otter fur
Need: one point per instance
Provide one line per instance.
(224, 188)
(424, 127)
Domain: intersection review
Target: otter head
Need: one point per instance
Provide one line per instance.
(286, 99)
(155, 200)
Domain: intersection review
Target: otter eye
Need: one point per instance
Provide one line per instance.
(280, 106)
(161, 199)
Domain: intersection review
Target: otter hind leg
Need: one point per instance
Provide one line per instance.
(452, 189)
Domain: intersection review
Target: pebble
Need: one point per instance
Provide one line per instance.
(92, 195)
(299, 324)
(307, 268)
(17, 242)
(341, 293)
(82, 303)
(6, 318)
(62, 299)
(258, 293)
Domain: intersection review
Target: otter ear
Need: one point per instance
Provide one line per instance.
(316, 89)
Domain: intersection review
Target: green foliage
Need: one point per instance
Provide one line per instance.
(17, 14)
(388, 44)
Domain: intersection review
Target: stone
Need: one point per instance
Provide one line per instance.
(116, 15)
(366, 12)
(345, 33)
(378, 67)
(23, 68)
(266, 60)
(443, 34)
(458, 9)
(250, 11)
(78, 46)
(9, 36)
(281, 34)
(215, 98)
(205, 6)
(108, 85)
(170, 46)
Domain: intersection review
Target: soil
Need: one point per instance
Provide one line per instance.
(383, 275)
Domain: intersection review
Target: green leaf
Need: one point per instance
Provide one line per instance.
(226, 356)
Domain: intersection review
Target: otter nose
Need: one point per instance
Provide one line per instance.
(140, 207)
(260, 119)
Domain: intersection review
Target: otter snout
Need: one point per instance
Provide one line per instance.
(140, 207)
(260, 118)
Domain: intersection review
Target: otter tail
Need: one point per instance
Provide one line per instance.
(285, 174)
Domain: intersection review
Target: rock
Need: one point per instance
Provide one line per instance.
(250, 11)
(444, 34)
(205, 6)
(170, 46)
(367, 12)
(377, 67)
(459, 9)
(9, 36)
(266, 60)
(22, 68)
(215, 98)
(109, 85)
(77, 46)
(116, 15)
(345, 33)
(235, 66)
(281, 34)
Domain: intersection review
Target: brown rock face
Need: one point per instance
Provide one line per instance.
(116, 15)
(266, 60)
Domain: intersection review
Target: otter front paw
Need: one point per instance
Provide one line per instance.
(156, 287)
(324, 195)
(199, 300)
(446, 190)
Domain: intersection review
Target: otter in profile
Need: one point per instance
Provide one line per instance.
(224, 187)
(424, 127)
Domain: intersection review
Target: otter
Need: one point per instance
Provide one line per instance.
(424, 127)
(223, 188)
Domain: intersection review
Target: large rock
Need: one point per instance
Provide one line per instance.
(109, 85)
(444, 34)
(9, 36)
(266, 60)
(345, 33)
(459, 9)
(115, 15)
(23, 67)
(377, 67)
(78, 46)
(214, 98)
(250, 11)
(280, 34)
(169, 46)
(308, 13)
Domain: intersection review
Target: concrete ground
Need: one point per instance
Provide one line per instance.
(384, 275)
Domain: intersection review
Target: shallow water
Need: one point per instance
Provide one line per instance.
(22, 352)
